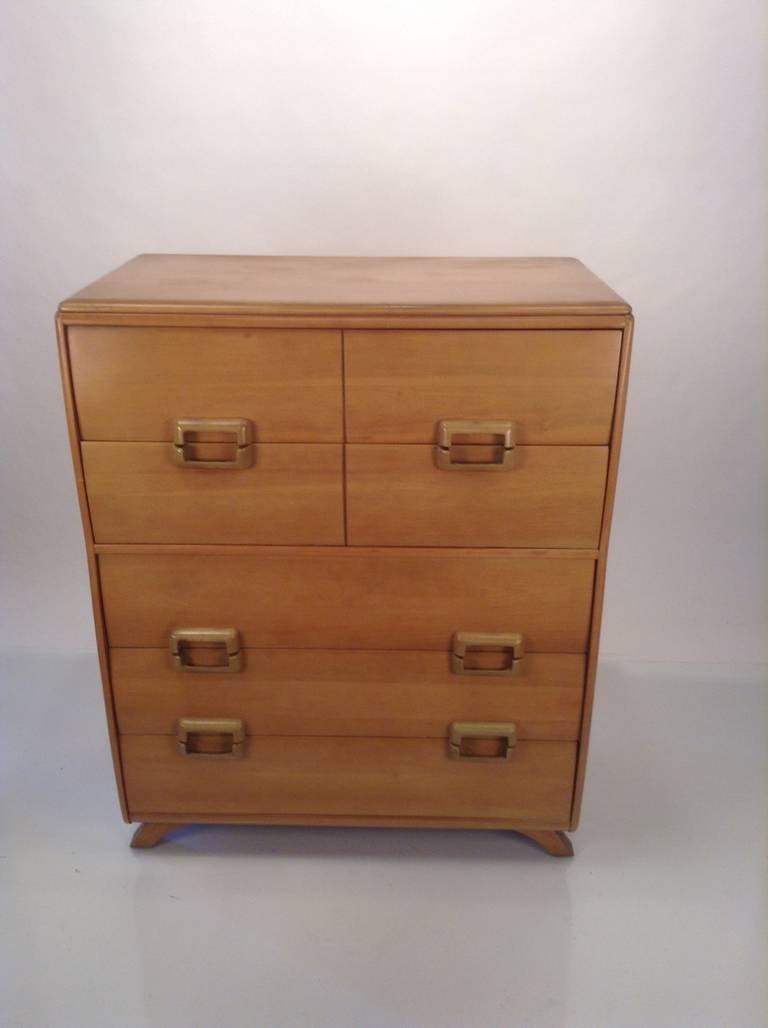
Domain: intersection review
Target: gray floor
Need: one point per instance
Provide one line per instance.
(659, 921)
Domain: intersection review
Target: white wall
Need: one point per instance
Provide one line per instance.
(630, 134)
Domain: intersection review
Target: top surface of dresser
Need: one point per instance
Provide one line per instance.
(348, 285)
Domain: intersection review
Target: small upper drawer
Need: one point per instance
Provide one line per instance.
(135, 383)
(556, 386)
(288, 493)
(548, 496)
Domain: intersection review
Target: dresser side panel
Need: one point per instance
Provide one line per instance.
(93, 568)
(600, 570)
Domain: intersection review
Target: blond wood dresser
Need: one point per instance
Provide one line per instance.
(347, 524)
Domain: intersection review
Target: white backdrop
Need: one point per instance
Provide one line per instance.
(629, 133)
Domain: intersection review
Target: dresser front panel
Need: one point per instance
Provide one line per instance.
(134, 383)
(347, 598)
(292, 494)
(350, 776)
(347, 693)
(556, 386)
(551, 497)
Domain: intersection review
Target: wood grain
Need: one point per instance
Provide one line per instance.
(396, 496)
(348, 692)
(599, 591)
(351, 821)
(241, 550)
(133, 383)
(344, 598)
(336, 285)
(392, 318)
(92, 564)
(557, 387)
(292, 494)
(350, 776)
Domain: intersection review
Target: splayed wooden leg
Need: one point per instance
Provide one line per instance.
(556, 844)
(150, 834)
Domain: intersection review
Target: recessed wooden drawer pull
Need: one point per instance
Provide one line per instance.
(450, 452)
(211, 737)
(466, 739)
(467, 646)
(227, 638)
(240, 428)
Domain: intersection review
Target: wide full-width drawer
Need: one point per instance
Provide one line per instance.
(347, 692)
(344, 776)
(397, 495)
(555, 386)
(134, 383)
(350, 598)
(289, 493)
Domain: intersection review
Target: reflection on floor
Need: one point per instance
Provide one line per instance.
(659, 920)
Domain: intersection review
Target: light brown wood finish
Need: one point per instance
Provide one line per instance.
(599, 591)
(344, 821)
(292, 494)
(92, 563)
(396, 286)
(557, 387)
(556, 844)
(231, 296)
(329, 319)
(351, 776)
(348, 692)
(396, 496)
(342, 598)
(132, 383)
(239, 550)
(150, 834)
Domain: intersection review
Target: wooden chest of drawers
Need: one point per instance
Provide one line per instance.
(347, 524)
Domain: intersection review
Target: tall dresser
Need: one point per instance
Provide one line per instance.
(347, 522)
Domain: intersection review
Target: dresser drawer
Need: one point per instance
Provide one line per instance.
(343, 598)
(290, 493)
(551, 496)
(352, 777)
(555, 386)
(348, 692)
(133, 383)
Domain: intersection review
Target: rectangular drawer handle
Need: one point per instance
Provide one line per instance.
(189, 729)
(464, 643)
(227, 638)
(462, 731)
(502, 432)
(240, 428)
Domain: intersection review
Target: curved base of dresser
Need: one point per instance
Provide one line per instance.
(556, 844)
(150, 833)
